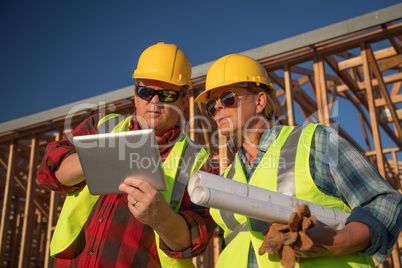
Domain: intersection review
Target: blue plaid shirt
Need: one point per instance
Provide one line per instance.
(339, 170)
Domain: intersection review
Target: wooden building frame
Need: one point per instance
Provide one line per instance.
(356, 62)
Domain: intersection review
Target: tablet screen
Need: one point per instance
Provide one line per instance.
(108, 159)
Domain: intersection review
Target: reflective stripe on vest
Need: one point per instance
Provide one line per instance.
(185, 157)
(284, 168)
(193, 158)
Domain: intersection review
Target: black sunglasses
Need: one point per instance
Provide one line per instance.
(164, 95)
(228, 99)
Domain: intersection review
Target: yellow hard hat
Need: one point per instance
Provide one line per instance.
(164, 62)
(234, 69)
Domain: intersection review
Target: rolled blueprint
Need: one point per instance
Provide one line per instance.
(214, 191)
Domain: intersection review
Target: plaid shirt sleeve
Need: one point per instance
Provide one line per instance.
(340, 170)
(200, 223)
(57, 151)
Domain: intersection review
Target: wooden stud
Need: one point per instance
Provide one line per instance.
(317, 79)
(396, 88)
(396, 256)
(373, 112)
(395, 45)
(15, 244)
(394, 99)
(357, 61)
(52, 219)
(384, 91)
(322, 92)
(29, 207)
(191, 108)
(204, 127)
(8, 192)
(396, 170)
(289, 97)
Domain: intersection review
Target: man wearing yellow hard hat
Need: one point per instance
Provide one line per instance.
(309, 162)
(128, 230)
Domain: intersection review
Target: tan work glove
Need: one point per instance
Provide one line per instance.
(282, 238)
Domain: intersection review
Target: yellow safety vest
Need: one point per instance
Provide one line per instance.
(291, 153)
(185, 156)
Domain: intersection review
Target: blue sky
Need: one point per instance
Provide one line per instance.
(54, 52)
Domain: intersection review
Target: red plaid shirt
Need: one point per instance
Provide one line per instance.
(111, 236)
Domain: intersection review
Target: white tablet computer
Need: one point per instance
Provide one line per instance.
(107, 159)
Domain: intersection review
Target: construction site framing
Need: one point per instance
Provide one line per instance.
(355, 63)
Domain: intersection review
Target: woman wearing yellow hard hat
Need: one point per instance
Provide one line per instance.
(309, 162)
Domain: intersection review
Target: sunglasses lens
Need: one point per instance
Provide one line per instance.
(145, 93)
(211, 108)
(165, 95)
(168, 95)
(228, 99)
